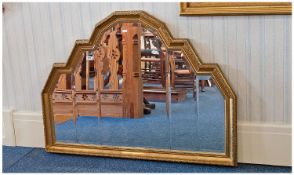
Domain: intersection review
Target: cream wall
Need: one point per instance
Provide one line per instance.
(253, 51)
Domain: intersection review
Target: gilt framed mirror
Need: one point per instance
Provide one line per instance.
(134, 91)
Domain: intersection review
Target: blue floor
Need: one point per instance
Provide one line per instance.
(20, 159)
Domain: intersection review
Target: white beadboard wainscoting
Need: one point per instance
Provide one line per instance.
(254, 53)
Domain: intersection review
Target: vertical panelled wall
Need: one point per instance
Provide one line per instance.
(253, 51)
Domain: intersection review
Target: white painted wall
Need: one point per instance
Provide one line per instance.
(253, 51)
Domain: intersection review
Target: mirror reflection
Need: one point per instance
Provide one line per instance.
(130, 90)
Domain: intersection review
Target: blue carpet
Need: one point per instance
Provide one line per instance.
(187, 129)
(9, 159)
(20, 159)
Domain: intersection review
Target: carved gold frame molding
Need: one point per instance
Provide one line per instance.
(235, 8)
(229, 157)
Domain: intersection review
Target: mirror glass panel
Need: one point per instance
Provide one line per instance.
(130, 90)
(197, 108)
(62, 104)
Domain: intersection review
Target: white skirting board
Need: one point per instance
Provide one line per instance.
(8, 135)
(258, 143)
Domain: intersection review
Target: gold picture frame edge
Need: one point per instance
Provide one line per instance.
(263, 8)
(144, 154)
(184, 45)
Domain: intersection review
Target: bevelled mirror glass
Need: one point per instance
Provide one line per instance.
(134, 91)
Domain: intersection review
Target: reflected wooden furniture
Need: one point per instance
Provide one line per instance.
(103, 98)
(159, 94)
(151, 70)
(58, 119)
(132, 81)
(181, 75)
(154, 74)
(85, 103)
(181, 79)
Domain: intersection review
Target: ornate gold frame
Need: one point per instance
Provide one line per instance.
(235, 8)
(228, 158)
